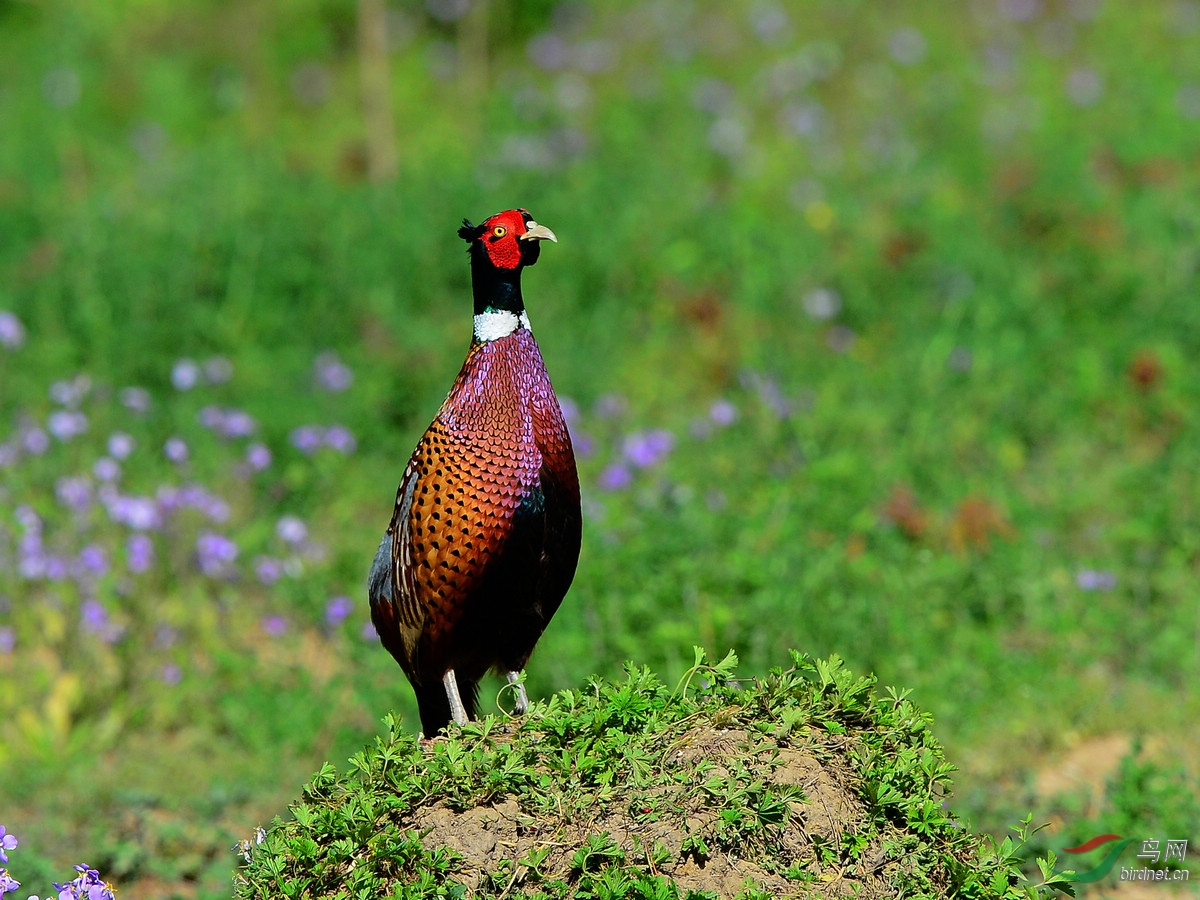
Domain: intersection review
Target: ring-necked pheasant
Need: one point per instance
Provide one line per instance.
(485, 536)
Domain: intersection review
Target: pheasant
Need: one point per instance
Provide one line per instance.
(484, 539)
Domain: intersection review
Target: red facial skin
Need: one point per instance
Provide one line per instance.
(504, 249)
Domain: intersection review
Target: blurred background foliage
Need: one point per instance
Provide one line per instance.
(877, 324)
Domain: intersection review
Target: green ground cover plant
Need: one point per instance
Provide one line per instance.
(876, 325)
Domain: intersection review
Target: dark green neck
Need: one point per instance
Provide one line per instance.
(494, 288)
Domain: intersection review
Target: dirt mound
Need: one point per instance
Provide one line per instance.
(486, 836)
(802, 783)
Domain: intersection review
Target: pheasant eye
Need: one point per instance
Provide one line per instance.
(499, 231)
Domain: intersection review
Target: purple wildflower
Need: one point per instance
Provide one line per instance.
(165, 636)
(57, 568)
(211, 416)
(215, 553)
(176, 450)
(65, 424)
(268, 570)
(258, 457)
(337, 610)
(189, 496)
(308, 438)
(217, 370)
(170, 674)
(93, 616)
(35, 441)
(87, 886)
(1095, 580)
(238, 424)
(12, 332)
(291, 530)
(8, 884)
(106, 469)
(723, 413)
(368, 631)
(228, 423)
(135, 399)
(120, 445)
(8, 640)
(92, 560)
(339, 438)
(9, 454)
(138, 513)
(71, 392)
(331, 374)
(7, 842)
(193, 496)
(93, 619)
(74, 493)
(645, 449)
(216, 509)
(31, 563)
(615, 478)
(584, 444)
(273, 625)
(185, 374)
(31, 522)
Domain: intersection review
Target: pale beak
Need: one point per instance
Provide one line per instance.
(536, 232)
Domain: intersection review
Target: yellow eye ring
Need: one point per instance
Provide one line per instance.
(499, 231)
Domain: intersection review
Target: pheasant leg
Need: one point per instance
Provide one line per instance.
(457, 711)
(522, 704)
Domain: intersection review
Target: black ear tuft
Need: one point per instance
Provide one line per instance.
(470, 233)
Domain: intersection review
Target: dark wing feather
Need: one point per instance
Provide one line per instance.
(397, 615)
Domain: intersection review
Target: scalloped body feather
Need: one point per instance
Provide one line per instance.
(485, 536)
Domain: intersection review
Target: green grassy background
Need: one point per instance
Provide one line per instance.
(1002, 197)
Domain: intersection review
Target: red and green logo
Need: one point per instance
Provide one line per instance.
(1106, 864)
(1171, 858)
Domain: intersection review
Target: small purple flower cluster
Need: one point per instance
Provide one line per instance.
(331, 374)
(84, 540)
(648, 449)
(7, 842)
(1095, 580)
(228, 423)
(308, 439)
(215, 554)
(188, 374)
(12, 332)
(87, 884)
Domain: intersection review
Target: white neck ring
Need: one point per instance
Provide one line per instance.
(496, 324)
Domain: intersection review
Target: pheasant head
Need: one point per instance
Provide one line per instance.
(500, 248)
